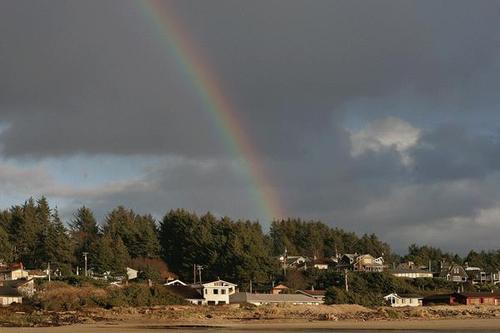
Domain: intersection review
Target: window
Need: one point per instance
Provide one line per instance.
(206, 291)
(216, 291)
(231, 289)
(223, 291)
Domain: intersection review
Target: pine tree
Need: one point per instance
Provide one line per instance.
(84, 233)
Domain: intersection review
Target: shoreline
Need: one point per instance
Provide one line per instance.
(273, 326)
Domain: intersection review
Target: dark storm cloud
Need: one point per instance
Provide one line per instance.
(453, 152)
(96, 72)
(371, 115)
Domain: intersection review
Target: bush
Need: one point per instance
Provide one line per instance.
(60, 296)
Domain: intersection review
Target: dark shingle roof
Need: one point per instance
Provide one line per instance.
(8, 291)
(184, 292)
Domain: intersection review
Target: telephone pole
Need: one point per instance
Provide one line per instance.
(199, 268)
(345, 280)
(85, 254)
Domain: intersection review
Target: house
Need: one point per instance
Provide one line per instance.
(215, 292)
(26, 287)
(321, 264)
(477, 298)
(473, 298)
(9, 296)
(294, 262)
(191, 295)
(279, 289)
(453, 272)
(478, 276)
(396, 300)
(439, 299)
(367, 263)
(262, 299)
(13, 272)
(411, 273)
(13, 291)
(318, 295)
(211, 293)
(347, 260)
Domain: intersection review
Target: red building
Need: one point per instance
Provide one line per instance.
(473, 298)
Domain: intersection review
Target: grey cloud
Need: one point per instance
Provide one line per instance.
(452, 152)
(94, 77)
(97, 74)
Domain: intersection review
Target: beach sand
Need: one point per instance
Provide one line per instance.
(272, 326)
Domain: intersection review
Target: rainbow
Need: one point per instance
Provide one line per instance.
(194, 66)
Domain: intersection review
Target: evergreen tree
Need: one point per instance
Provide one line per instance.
(109, 255)
(138, 233)
(84, 233)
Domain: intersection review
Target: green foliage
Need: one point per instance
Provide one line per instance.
(84, 233)
(59, 296)
(237, 251)
(422, 255)
(109, 255)
(317, 239)
(138, 233)
(368, 289)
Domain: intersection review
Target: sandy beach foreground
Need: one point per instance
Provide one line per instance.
(272, 326)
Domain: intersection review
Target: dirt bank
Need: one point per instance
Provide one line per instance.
(235, 316)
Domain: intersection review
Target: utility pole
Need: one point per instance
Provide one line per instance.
(194, 273)
(345, 280)
(48, 270)
(251, 287)
(85, 254)
(200, 268)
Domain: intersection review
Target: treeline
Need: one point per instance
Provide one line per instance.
(236, 250)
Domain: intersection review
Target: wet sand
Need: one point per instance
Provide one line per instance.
(469, 325)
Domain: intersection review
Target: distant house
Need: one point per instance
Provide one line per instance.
(321, 264)
(477, 298)
(473, 298)
(318, 295)
(279, 289)
(13, 272)
(368, 263)
(453, 272)
(478, 276)
(400, 300)
(211, 293)
(347, 260)
(294, 262)
(262, 299)
(410, 273)
(13, 291)
(189, 294)
(216, 292)
(9, 296)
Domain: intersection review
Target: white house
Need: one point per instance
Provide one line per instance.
(396, 300)
(262, 299)
(411, 273)
(9, 295)
(14, 272)
(216, 292)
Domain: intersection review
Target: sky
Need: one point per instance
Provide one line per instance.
(374, 116)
